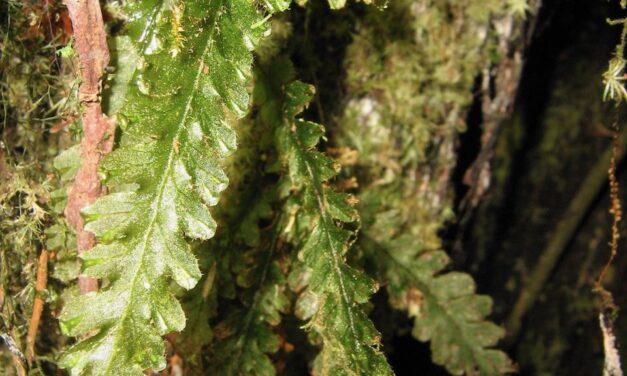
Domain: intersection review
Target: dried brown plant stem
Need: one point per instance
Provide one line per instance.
(93, 54)
(615, 206)
(38, 305)
(589, 190)
(612, 364)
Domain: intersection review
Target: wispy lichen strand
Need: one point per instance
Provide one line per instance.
(164, 175)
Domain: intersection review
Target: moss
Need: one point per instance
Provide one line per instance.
(411, 70)
(37, 94)
(411, 84)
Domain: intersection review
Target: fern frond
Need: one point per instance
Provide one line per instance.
(244, 351)
(166, 173)
(350, 342)
(445, 308)
(232, 258)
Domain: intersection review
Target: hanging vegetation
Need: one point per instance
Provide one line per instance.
(244, 187)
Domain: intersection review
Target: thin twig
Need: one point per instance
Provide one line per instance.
(38, 305)
(93, 54)
(615, 206)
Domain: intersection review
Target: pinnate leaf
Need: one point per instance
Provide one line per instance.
(350, 342)
(446, 310)
(187, 87)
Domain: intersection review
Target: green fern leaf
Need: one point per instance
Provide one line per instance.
(350, 343)
(245, 351)
(189, 83)
(445, 307)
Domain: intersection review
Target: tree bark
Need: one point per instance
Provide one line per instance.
(499, 87)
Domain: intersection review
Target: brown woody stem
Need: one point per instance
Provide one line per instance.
(93, 54)
(38, 305)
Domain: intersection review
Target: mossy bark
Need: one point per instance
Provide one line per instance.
(540, 237)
